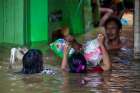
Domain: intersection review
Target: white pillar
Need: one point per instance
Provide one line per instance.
(137, 30)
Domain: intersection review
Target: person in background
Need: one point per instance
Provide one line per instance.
(64, 33)
(118, 7)
(113, 29)
(104, 12)
(120, 47)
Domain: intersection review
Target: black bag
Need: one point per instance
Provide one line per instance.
(32, 62)
(77, 63)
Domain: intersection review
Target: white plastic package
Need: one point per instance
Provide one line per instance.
(92, 52)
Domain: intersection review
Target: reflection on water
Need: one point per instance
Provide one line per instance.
(123, 78)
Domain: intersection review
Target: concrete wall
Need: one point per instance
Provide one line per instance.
(137, 30)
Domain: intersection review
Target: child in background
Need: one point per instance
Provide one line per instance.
(64, 33)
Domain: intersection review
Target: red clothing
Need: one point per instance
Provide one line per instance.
(97, 69)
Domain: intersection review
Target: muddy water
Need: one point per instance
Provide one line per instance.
(123, 78)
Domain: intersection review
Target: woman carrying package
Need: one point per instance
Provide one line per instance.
(77, 62)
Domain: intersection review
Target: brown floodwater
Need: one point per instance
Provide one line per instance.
(123, 78)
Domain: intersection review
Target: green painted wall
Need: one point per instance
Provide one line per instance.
(75, 14)
(23, 21)
(16, 28)
(1, 21)
(39, 20)
(13, 21)
(54, 5)
(88, 16)
(72, 15)
(40, 10)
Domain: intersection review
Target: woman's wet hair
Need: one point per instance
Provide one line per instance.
(77, 63)
(32, 62)
(113, 19)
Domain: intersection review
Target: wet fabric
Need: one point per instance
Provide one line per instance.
(97, 69)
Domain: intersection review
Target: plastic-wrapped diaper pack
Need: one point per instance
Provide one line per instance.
(92, 52)
(58, 47)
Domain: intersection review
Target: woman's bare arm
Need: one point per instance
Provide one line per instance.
(106, 60)
(65, 59)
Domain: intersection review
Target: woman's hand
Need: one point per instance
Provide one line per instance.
(101, 39)
(106, 60)
(64, 60)
(66, 49)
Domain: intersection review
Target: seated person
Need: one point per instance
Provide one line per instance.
(67, 61)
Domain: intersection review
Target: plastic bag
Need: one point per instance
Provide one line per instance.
(58, 47)
(92, 52)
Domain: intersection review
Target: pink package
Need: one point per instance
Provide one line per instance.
(92, 52)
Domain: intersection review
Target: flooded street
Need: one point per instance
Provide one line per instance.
(34, 24)
(123, 78)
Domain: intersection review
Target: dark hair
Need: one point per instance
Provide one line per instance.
(77, 63)
(32, 62)
(114, 19)
(57, 34)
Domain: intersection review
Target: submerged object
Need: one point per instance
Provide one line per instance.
(48, 72)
